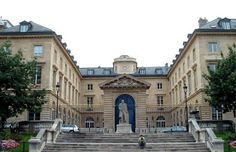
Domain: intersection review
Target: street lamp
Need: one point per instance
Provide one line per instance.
(58, 89)
(186, 106)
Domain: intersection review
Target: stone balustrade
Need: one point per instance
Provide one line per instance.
(36, 144)
(206, 135)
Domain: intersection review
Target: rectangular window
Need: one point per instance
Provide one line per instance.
(212, 47)
(55, 56)
(90, 72)
(89, 103)
(159, 86)
(183, 67)
(90, 86)
(194, 55)
(142, 71)
(37, 79)
(65, 69)
(189, 83)
(34, 115)
(225, 25)
(54, 80)
(195, 78)
(65, 87)
(212, 66)
(160, 100)
(216, 114)
(188, 61)
(61, 64)
(38, 50)
(24, 28)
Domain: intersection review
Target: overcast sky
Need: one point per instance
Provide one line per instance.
(97, 31)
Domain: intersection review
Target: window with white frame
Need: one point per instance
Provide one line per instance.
(212, 66)
(37, 78)
(225, 25)
(38, 50)
(24, 28)
(90, 72)
(212, 47)
(217, 114)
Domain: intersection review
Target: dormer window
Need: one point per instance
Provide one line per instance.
(24, 28)
(90, 72)
(225, 23)
(142, 71)
(107, 72)
(158, 71)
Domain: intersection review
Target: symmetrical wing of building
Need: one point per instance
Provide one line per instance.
(154, 95)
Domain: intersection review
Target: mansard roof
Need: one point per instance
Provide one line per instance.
(216, 23)
(124, 82)
(34, 28)
(109, 72)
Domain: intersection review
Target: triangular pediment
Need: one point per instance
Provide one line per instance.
(125, 81)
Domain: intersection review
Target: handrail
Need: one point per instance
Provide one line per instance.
(207, 136)
(36, 144)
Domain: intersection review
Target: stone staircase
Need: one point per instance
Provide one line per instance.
(160, 142)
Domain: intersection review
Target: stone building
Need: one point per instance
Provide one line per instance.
(154, 96)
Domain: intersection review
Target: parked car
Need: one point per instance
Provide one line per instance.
(70, 128)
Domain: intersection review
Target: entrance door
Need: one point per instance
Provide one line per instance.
(129, 100)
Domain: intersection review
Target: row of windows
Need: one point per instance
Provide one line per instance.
(212, 48)
(159, 86)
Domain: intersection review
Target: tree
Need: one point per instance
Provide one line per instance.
(16, 83)
(221, 87)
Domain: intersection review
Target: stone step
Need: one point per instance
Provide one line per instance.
(127, 147)
(117, 138)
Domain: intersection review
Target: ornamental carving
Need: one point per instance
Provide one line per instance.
(125, 81)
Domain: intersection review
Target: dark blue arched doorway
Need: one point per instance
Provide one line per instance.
(129, 100)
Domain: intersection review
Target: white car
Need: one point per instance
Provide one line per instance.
(69, 128)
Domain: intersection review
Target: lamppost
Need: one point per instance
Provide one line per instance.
(186, 106)
(57, 89)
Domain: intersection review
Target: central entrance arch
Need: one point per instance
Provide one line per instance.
(129, 100)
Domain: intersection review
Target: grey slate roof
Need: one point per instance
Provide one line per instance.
(35, 28)
(215, 24)
(103, 72)
(98, 72)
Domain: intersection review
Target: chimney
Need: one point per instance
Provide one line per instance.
(202, 21)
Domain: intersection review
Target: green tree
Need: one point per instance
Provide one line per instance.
(16, 82)
(221, 86)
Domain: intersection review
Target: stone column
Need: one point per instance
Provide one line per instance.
(108, 110)
(141, 110)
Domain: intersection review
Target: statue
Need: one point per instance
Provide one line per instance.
(123, 112)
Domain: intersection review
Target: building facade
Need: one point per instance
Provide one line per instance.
(154, 96)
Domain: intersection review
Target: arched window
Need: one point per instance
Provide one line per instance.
(89, 123)
(160, 122)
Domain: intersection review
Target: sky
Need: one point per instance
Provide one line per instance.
(97, 31)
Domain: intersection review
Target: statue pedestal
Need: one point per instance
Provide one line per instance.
(123, 128)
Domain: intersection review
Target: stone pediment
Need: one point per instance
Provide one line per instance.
(125, 81)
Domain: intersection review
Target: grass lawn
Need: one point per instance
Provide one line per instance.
(21, 138)
(227, 137)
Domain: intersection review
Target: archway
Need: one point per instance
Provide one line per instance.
(129, 100)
